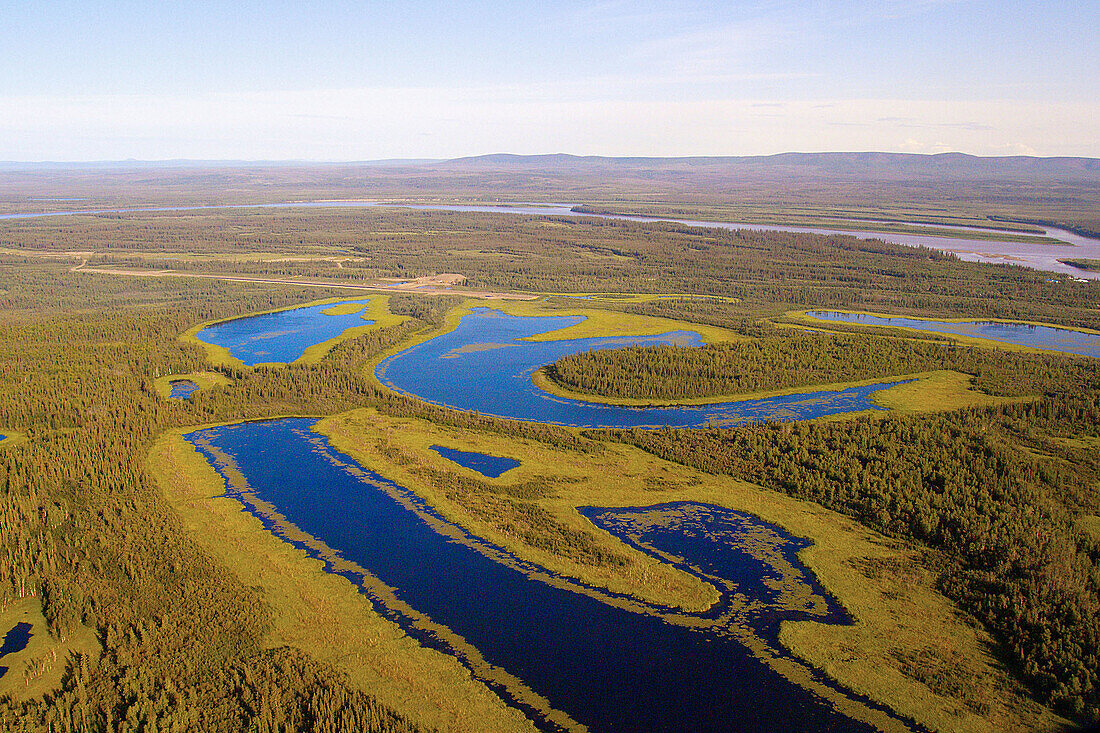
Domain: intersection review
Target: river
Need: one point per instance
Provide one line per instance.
(1036, 255)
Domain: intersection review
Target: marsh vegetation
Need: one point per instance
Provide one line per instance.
(978, 506)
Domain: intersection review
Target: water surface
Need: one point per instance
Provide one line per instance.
(182, 388)
(1021, 334)
(485, 366)
(486, 465)
(283, 336)
(15, 640)
(610, 663)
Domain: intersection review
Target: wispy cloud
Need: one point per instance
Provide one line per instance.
(359, 124)
(912, 122)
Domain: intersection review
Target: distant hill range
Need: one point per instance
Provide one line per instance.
(891, 165)
(860, 165)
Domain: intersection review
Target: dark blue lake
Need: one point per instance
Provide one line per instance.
(485, 366)
(486, 465)
(182, 389)
(283, 336)
(609, 664)
(15, 640)
(1021, 334)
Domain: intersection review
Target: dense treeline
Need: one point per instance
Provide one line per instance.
(771, 272)
(83, 527)
(993, 493)
(276, 690)
(787, 358)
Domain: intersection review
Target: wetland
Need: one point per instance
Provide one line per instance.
(552, 645)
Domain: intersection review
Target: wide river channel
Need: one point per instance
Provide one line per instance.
(1037, 255)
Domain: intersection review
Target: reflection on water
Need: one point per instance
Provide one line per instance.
(544, 642)
(1021, 334)
(454, 369)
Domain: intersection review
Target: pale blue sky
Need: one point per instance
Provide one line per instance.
(368, 80)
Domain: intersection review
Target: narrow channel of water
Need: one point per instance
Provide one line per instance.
(1021, 334)
(542, 642)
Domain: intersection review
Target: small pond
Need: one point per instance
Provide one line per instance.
(485, 365)
(15, 640)
(1021, 334)
(486, 465)
(609, 662)
(182, 389)
(283, 336)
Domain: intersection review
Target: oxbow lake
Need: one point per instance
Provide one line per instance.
(610, 663)
(485, 365)
(1020, 334)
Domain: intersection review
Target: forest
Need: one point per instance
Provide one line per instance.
(996, 500)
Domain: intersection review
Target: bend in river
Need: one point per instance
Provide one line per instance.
(485, 366)
(545, 643)
(1036, 336)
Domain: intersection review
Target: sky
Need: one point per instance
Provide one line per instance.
(366, 80)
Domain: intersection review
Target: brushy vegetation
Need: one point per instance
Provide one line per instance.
(995, 496)
(83, 527)
(993, 492)
(784, 358)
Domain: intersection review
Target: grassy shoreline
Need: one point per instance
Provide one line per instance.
(375, 308)
(321, 613)
(930, 391)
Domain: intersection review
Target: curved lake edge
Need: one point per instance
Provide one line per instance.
(221, 356)
(786, 662)
(816, 557)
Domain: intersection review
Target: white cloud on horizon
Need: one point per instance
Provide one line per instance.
(361, 124)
